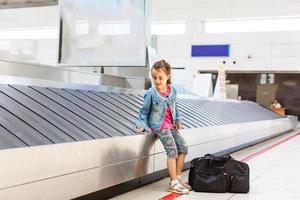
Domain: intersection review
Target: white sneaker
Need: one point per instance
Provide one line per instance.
(185, 184)
(177, 188)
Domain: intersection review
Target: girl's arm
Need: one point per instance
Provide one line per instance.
(144, 112)
(178, 116)
(179, 124)
(177, 113)
(178, 120)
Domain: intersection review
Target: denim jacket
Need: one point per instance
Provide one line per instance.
(154, 108)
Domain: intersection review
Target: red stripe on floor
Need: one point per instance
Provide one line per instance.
(170, 196)
(246, 159)
(251, 156)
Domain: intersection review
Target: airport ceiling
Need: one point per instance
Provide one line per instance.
(25, 3)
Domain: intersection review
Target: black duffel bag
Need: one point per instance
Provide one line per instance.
(219, 174)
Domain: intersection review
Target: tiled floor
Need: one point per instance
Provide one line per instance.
(274, 174)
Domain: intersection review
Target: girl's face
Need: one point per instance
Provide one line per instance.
(160, 79)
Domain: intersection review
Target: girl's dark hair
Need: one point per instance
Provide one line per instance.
(163, 65)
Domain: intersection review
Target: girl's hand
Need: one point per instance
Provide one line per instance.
(140, 130)
(179, 125)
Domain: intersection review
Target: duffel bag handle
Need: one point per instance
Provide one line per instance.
(224, 157)
(213, 160)
(217, 161)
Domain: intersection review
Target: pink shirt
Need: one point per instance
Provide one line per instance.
(167, 123)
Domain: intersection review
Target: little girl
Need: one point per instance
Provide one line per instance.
(159, 112)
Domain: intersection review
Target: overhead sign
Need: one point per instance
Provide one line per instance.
(210, 50)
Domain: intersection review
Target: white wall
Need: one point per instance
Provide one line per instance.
(278, 50)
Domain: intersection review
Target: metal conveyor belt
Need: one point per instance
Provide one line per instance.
(33, 115)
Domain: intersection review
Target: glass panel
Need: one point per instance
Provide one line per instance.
(106, 33)
(29, 34)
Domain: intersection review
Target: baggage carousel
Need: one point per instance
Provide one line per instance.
(68, 142)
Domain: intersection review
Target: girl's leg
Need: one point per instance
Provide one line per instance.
(171, 164)
(182, 150)
(169, 144)
(179, 164)
(175, 185)
(167, 139)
